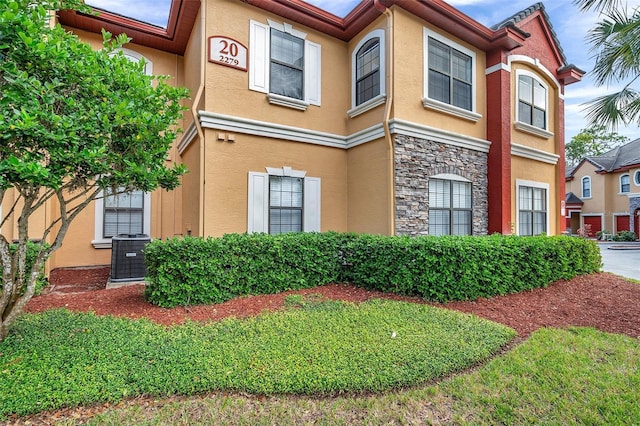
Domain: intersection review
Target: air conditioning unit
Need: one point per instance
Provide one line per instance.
(127, 257)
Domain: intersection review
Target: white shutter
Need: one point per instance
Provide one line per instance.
(259, 57)
(258, 202)
(312, 72)
(311, 207)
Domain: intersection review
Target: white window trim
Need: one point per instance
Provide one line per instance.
(582, 188)
(450, 176)
(436, 105)
(636, 178)
(620, 184)
(136, 57)
(525, 127)
(99, 241)
(532, 184)
(258, 199)
(382, 97)
(260, 59)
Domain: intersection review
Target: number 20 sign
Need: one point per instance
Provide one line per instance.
(227, 51)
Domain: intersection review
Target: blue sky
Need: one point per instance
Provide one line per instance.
(570, 25)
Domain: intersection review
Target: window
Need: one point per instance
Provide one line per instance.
(449, 75)
(368, 73)
(625, 184)
(287, 64)
(283, 200)
(532, 102)
(586, 187)
(123, 214)
(636, 177)
(285, 204)
(284, 65)
(449, 207)
(532, 208)
(128, 213)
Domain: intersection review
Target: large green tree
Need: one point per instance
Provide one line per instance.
(615, 43)
(595, 140)
(73, 122)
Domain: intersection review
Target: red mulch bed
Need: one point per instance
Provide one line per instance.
(604, 301)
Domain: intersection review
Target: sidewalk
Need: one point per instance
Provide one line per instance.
(621, 258)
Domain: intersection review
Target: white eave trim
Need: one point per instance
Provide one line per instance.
(187, 137)
(278, 131)
(534, 154)
(421, 131)
(247, 126)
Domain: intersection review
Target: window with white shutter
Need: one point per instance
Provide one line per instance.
(284, 65)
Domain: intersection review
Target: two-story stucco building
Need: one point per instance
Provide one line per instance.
(404, 117)
(603, 192)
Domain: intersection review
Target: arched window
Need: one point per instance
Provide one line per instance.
(450, 205)
(636, 177)
(625, 183)
(532, 101)
(368, 71)
(586, 187)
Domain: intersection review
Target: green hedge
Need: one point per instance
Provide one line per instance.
(189, 271)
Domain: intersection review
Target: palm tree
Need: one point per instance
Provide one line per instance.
(615, 43)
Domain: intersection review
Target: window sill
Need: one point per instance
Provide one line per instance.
(101, 244)
(535, 131)
(450, 109)
(288, 102)
(368, 105)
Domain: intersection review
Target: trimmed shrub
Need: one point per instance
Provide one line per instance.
(183, 271)
(625, 236)
(188, 271)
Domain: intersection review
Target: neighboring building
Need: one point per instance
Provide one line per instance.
(605, 191)
(405, 117)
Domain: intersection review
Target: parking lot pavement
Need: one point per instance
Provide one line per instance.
(621, 259)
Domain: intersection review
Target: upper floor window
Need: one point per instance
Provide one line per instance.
(532, 101)
(449, 77)
(368, 73)
(586, 187)
(625, 184)
(636, 177)
(284, 65)
(450, 207)
(287, 64)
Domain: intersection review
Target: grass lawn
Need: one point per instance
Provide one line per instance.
(59, 358)
(320, 363)
(574, 376)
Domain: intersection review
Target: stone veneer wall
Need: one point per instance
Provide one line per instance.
(418, 159)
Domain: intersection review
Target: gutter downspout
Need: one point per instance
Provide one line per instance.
(196, 117)
(387, 114)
